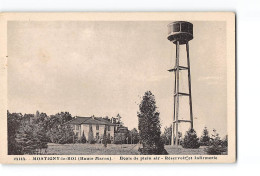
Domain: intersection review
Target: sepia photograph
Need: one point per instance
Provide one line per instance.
(110, 88)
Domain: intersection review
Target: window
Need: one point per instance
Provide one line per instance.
(97, 127)
(97, 135)
(108, 135)
(77, 127)
(108, 128)
(184, 27)
(176, 27)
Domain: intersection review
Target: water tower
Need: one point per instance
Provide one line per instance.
(180, 33)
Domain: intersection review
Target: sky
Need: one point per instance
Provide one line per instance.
(104, 68)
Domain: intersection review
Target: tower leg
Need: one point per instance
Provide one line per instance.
(189, 78)
(174, 108)
(172, 139)
(177, 93)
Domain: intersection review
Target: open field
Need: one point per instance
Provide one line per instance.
(112, 149)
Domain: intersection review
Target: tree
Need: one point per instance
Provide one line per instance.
(216, 145)
(27, 118)
(26, 138)
(39, 133)
(61, 134)
(204, 139)
(191, 140)
(134, 136)
(120, 137)
(30, 133)
(149, 126)
(105, 137)
(90, 135)
(65, 116)
(32, 138)
(167, 135)
(13, 124)
(83, 139)
(41, 117)
(119, 120)
(57, 129)
(67, 134)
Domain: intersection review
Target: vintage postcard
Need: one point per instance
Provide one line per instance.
(140, 87)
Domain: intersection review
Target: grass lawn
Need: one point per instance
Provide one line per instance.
(112, 149)
(91, 149)
(173, 150)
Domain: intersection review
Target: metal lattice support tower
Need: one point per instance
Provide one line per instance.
(180, 33)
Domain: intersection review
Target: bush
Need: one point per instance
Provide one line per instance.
(118, 142)
(108, 141)
(120, 138)
(191, 140)
(92, 141)
(216, 146)
(204, 139)
(225, 141)
(167, 135)
(215, 150)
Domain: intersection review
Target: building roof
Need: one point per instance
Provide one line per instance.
(94, 122)
(89, 120)
(122, 129)
(79, 120)
(104, 120)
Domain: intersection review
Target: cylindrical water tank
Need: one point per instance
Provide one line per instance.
(181, 31)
